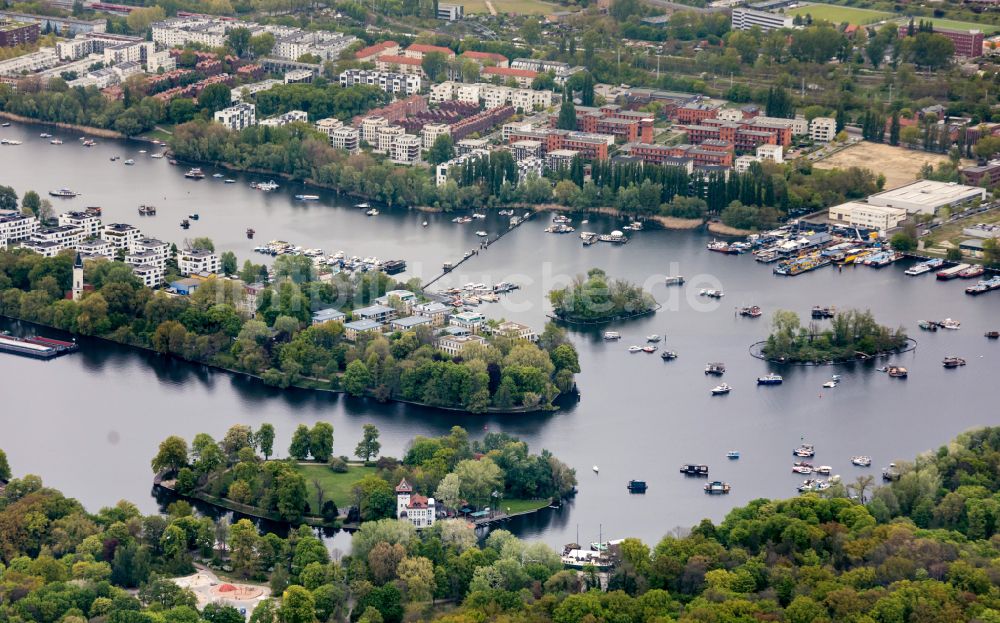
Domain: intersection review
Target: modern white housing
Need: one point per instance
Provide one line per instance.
(432, 131)
(237, 117)
(121, 235)
(450, 12)
(88, 223)
(823, 129)
(774, 153)
(390, 82)
(453, 345)
(15, 227)
(196, 261)
(745, 19)
(490, 95)
(370, 127)
(237, 94)
(292, 116)
(414, 508)
(385, 137)
(441, 173)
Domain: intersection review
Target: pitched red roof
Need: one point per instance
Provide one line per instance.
(486, 56)
(403, 487)
(378, 48)
(399, 60)
(423, 48)
(507, 71)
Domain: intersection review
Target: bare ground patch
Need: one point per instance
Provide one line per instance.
(899, 164)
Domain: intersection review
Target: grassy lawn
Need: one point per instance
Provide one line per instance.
(523, 7)
(951, 24)
(157, 135)
(337, 486)
(840, 14)
(952, 232)
(521, 506)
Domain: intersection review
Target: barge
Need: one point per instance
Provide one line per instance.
(35, 347)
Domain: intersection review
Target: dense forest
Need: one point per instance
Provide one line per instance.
(920, 549)
(280, 344)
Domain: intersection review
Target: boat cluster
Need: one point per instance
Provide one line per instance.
(338, 260)
(474, 294)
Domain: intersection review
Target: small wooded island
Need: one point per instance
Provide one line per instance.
(443, 476)
(852, 335)
(596, 298)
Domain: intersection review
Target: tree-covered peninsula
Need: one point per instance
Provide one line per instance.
(923, 548)
(281, 344)
(315, 486)
(852, 335)
(596, 298)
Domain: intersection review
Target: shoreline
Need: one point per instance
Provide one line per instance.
(911, 345)
(490, 411)
(86, 129)
(725, 230)
(667, 222)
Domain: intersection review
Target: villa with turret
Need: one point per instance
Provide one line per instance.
(413, 507)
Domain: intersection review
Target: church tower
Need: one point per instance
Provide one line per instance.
(78, 278)
(403, 492)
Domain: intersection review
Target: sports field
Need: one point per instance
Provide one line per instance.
(839, 14)
(951, 24)
(521, 7)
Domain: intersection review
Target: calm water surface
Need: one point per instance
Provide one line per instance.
(89, 423)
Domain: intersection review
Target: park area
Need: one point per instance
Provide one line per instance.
(951, 24)
(336, 486)
(899, 165)
(839, 14)
(520, 7)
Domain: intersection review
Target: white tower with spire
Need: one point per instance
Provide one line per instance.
(78, 278)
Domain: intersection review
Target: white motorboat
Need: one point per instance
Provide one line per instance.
(805, 450)
(823, 469)
(861, 461)
(482, 234)
(612, 335)
(634, 349)
(719, 390)
(596, 469)
(830, 384)
(949, 323)
(653, 338)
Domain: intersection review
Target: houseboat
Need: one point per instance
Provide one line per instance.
(63, 192)
(753, 311)
(35, 347)
(145, 210)
(676, 280)
(712, 294)
(822, 313)
(927, 325)
(692, 469)
(733, 455)
(720, 246)
(992, 335)
(861, 461)
(890, 473)
(391, 267)
(612, 335)
(717, 368)
(615, 237)
(976, 270)
(802, 467)
(953, 272)
(250, 233)
(560, 228)
(951, 324)
(717, 487)
(636, 486)
(983, 286)
(952, 362)
(897, 372)
(770, 379)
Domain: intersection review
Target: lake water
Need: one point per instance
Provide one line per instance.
(89, 423)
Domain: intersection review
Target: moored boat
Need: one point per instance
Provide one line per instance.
(770, 379)
(861, 461)
(64, 193)
(717, 368)
(753, 311)
(668, 355)
(950, 323)
(717, 487)
(612, 335)
(721, 389)
(636, 486)
(805, 450)
(952, 362)
(195, 174)
(693, 469)
(733, 454)
(898, 372)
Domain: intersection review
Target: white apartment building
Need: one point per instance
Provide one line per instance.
(152, 251)
(390, 82)
(88, 223)
(729, 114)
(774, 153)
(468, 93)
(370, 127)
(346, 138)
(15, 227)
(745, 19)
(467, 145)
(453, 345)
(522, 150)
(67, 236)
(742, 163)
(196, 261)
(431, 131)
(823, 129)
(385, 137)
(43, 248)
(160, 60)
(121, 235)
(46, 58)
(406, 149)
(328, 125)
(441, 172)
(150, 276)
(296, 76)
(237, 117)
(95, 248)
(292, 116)
(441, 92)
(136, 52)
(244, 90)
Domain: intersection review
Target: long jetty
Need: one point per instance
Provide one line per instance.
(484, 245)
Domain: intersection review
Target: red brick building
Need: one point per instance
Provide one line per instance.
(711, 152)
(590, 147)
(369, 54)
(696, 112)
(625, 125)
(968, 43)
(17, 33)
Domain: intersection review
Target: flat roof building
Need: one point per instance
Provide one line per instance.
(927, 196)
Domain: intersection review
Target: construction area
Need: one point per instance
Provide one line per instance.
(899, 165)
